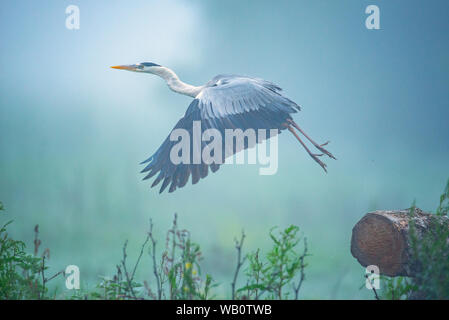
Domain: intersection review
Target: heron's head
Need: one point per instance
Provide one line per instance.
(147, 67)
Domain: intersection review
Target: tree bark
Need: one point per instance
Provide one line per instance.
(381, 238)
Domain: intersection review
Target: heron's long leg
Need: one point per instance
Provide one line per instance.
(314, 156)
(318, 146)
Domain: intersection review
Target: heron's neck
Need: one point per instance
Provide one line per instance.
(175, 84)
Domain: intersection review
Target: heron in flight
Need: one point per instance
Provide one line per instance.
(225, 102)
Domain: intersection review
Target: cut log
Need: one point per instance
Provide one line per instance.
(381, 238)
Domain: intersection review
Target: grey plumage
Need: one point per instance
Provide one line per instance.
(225, 102)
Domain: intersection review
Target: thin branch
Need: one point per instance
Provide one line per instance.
(240, 261)
(43, 276)
(149, 291)
(55, 275)
(140, 256)
(128, 280)
(302, 273)
(37, 242)
(257, 275)
(153, 255)
(173, 267)
(372, 287)
(45, 254)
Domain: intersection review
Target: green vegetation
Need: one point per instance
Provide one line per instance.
(280, 269)
(429, 256)
(176, 271)
(176, 267)
(22, 275)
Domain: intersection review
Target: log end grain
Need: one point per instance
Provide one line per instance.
(377, 239)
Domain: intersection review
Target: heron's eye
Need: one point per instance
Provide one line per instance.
(140, 67)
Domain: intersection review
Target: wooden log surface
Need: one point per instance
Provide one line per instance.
(381, 238)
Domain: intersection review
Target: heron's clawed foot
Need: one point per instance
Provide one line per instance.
(321, 163)
(320, 147)
(289, 123)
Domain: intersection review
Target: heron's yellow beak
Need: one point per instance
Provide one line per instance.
(124, 67)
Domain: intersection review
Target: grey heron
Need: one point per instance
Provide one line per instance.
(225, 102)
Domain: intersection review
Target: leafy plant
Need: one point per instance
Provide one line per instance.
(398, 288)
(429, 256)
(430, 253)
(273, 277)
(22, 276)
(176, 271)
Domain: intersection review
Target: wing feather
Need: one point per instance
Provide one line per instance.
(226, 102)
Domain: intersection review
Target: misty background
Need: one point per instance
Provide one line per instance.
(73, 131)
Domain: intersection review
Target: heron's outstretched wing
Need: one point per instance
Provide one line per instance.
(226, 102)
